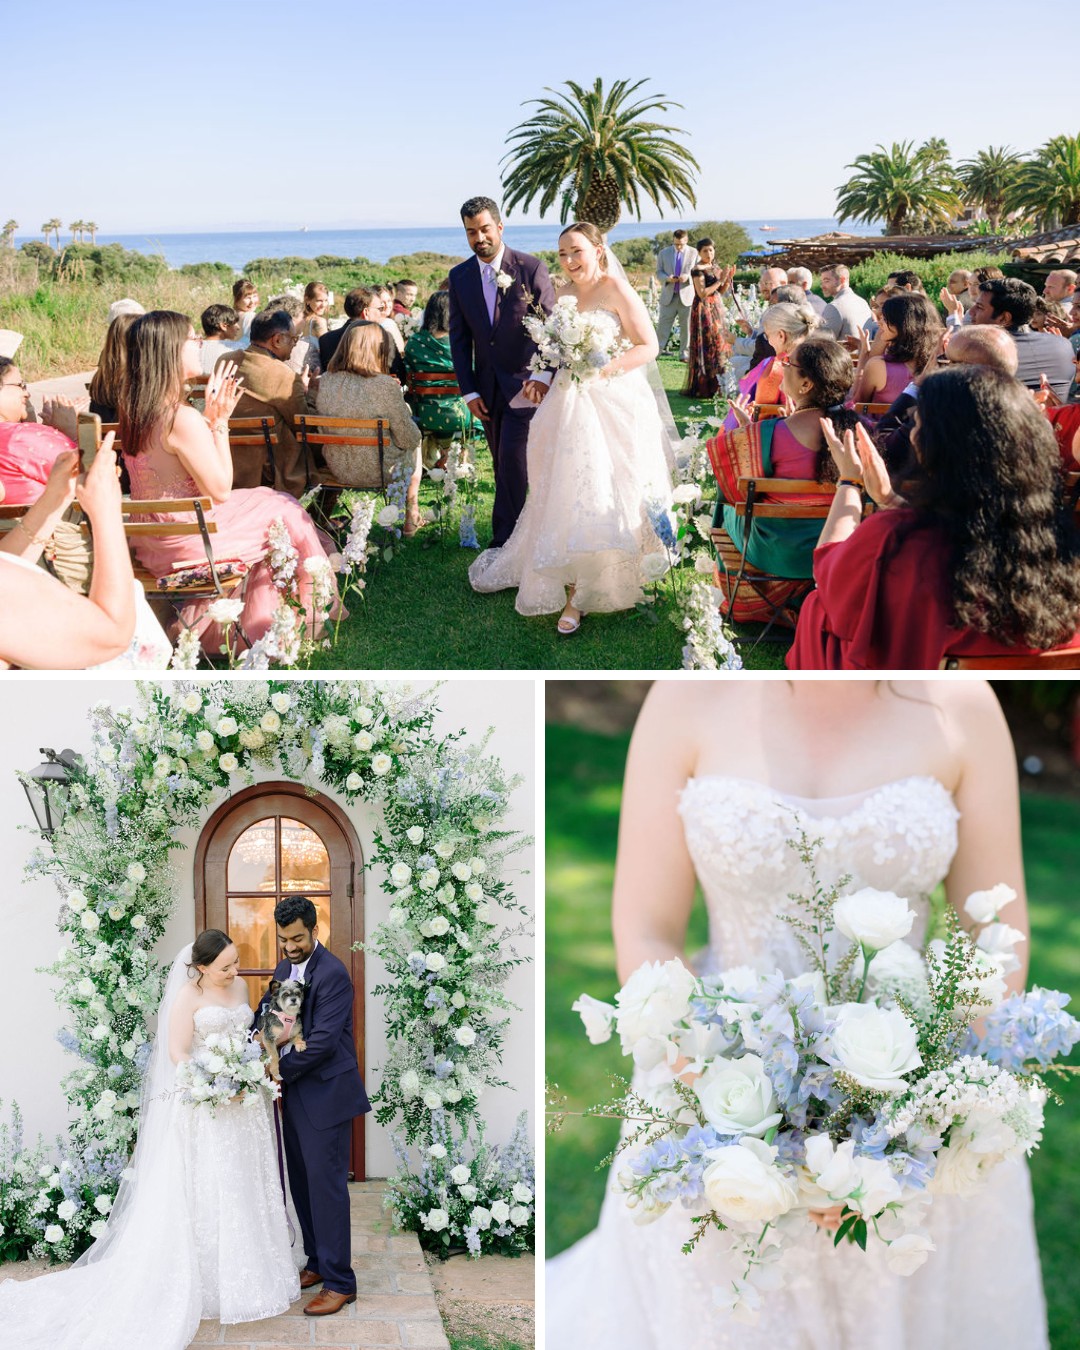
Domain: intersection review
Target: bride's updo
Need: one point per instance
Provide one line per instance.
(592, 234)
(205, 950)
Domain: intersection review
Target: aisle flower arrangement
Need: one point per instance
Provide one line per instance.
(446, 946)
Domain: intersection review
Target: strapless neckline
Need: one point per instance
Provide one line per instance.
(812, 805)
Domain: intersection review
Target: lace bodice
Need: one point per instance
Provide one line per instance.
(212, 1018)
(900, 837)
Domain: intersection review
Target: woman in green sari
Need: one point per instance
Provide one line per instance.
(443, 418)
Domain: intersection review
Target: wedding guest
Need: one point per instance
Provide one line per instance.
(359, 384)
(305, 353)
(108, 378)
(673, 267)
(1010, 304)
(816, 378)
(355, 303)
(222, 333)
(269, 385)
(872, 326)
(906, 280)
(405, 292)
(383, 315)
(28, 450)
(750, 346)
(804, 278)
(784, 327)
(316, 306)
(441, 417)
(708, 344)
(125, 306)
(982, 558)
(911, 331)
(173, 451)
(845, 312)
(1060, 285)
(245, 298)
(44, 625)
(959, 287)
(1050, 317)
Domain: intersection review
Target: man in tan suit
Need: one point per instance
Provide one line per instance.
(270, 385)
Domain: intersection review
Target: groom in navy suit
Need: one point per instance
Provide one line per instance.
(322, 1093)
(489, 296)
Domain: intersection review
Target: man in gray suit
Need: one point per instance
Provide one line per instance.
(846, 312)
(673, 265)
(804, 278)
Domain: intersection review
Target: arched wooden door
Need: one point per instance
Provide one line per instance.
(274, 840)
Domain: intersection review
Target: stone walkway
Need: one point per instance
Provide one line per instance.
(395, 1305)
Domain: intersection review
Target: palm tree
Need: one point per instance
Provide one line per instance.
(91, 226)
(1048, 184)
(895, 184)
(52, 226)
(8, 233)
(76, 227)
(988, 178)
(595, 152)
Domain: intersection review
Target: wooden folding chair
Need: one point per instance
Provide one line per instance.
(763, 412)
(872, 409)
(1057, 659)
(258, 431)
(434, 384)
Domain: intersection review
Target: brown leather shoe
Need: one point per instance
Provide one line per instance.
(308, 1279)
(328, 1302)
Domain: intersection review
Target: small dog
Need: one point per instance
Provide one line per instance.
(279, 1022)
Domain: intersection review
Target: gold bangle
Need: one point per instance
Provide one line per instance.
(39, 540)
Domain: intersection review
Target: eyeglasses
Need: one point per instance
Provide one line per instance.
(15, 384)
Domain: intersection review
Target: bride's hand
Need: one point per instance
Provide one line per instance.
(829, 1219)
(534, 390)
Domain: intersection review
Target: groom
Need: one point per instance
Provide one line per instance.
(490, 295)
(322, 1092)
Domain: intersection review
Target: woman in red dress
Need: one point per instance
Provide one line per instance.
(980, 559)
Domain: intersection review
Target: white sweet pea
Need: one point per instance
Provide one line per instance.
(876, 1046)
(653, 1000)
(814, 980)
(999, 941)
(874, 919)
(415, 835)
(984, 906)
(736, 1096)
(865, 1185)
(598, 1017)
(906, 1254)
(744, 1185)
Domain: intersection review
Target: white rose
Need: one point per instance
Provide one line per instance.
(225, 611)
(897, 963)
(459, 1175)
(906, 1254)
(251, 738)
(500, 1211)
(425, 929)
(654, 566)
(103, 1203)
(998, 941)
(462, 871)
(364, 715)
(477, 866)
(468, 1193)
(85, 988)
(270, 722)
(465, 1035)
(484, 914)
(191, 703)
(686, 493)
(737, 1097)
(228, 763)
(54, 1233)
(115, 912)
(353, 782)
(876, 1046)
(106, 754)
(519, 1216)
(521, 1193)
(480, 1218)
(957, 1171)
(429, 879)
(162, 765)
(457, 999)
(204, 740)
(743, 1185)
(440, 1017)
(97, 1228)
(90, 921)
(280, 702)
(401, 874)
(389, 516)
(983, 906)
(444, 848)
(136, 872)
(873, 919)
(434, 961)
(138, 921)
(415, 835)
(381, 765)
(363, 740)
(227, 726)
(439, 925)
(598, 1017)
(435, 1219)
(431, 1099)
(65, 1209)
(654, 998)
(474, 891)
(409, 1083)
(76, 901)
(437, 1151)
(397, 916)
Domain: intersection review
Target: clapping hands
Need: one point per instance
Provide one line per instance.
(743, 408)
(222, 393)
(856, 457)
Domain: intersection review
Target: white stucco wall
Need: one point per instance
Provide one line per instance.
(53, 712)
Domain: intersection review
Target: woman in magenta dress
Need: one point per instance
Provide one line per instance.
(981, 558)
(708, 344)
(173, 451)
(909, 338)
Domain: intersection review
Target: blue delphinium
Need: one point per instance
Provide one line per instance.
(660, 520)
(467, 529)
(1028, 1027)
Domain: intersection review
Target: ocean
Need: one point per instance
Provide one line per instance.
(380, 245)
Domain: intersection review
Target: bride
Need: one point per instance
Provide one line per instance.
(906, 785)
(596, 459)
(199, 1227)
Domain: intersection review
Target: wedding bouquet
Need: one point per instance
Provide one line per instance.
(410, 323)
(582, 342)
(226, 1067)
(859, 1084)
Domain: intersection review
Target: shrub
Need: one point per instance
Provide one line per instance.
(869, 277)
(220, 273)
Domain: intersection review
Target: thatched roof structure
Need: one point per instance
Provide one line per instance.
(837, 247)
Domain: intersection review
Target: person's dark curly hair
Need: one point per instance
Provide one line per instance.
(918, 328)
(294, 907)
(827, 364)
(989, 474)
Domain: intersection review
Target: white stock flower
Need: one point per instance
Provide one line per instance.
(381, 765)
(876, 1046)
(598, 1017)
(653, 1000)
(872, 918)
(743, 1184)
(906, 1254)
(460, 1175)
(984, 906)
(736, 1096)
(415, 835)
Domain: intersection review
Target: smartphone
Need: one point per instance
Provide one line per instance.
(89, 431)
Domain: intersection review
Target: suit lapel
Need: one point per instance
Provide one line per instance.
(507, 267)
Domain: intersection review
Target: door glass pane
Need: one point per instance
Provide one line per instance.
(305, 863)
(251, 927)
(251, 862)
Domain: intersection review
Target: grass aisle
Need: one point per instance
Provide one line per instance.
(421, 613)
(584, 775)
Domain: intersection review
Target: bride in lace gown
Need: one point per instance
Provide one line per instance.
(906, 785)
(596, 458)
(199, 1228)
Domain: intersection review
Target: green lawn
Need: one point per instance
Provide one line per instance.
(584, 774)
(421, 613)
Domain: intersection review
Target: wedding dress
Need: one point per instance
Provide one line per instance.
(596, 457)
(198, 1230)
(625, 1287)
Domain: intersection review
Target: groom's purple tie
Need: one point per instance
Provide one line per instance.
(488, 273)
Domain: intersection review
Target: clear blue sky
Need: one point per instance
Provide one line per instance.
(238, 115)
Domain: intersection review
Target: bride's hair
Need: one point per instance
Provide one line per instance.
(592, 234)
(206, 949)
